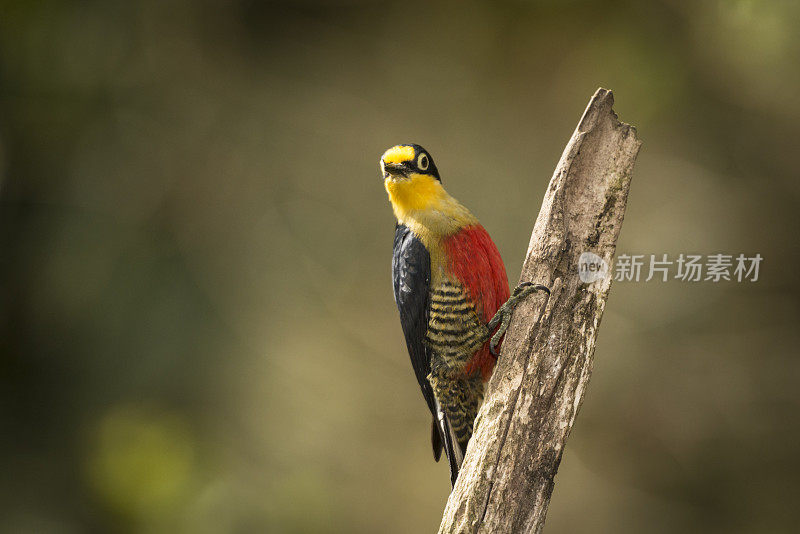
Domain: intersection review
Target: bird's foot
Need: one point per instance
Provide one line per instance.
(503, 315)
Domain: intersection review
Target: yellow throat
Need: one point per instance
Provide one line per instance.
(421, 203)
(416, 193)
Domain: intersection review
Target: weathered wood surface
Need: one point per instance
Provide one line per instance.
(538, 385)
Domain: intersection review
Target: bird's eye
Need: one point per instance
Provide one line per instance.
(422, 162)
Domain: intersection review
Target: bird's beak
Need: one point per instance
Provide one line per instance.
(395, 169)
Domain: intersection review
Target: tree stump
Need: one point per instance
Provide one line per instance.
(540, 379)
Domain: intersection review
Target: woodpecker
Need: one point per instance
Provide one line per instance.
(451, 290)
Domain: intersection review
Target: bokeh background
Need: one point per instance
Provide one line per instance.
(198, 330)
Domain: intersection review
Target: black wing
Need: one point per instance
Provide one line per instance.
(411, 277)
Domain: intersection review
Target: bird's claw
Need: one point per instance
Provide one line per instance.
(503, 315)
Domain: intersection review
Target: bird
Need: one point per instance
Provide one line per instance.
(451, 291)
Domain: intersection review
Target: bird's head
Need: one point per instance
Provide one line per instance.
(405, 162)
(410, 177)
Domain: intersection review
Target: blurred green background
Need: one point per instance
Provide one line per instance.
(198, 330)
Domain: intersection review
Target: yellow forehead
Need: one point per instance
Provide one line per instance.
(398, 154)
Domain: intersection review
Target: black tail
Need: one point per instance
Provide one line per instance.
(442, 438)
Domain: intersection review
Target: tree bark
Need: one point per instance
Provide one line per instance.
(540, 379)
